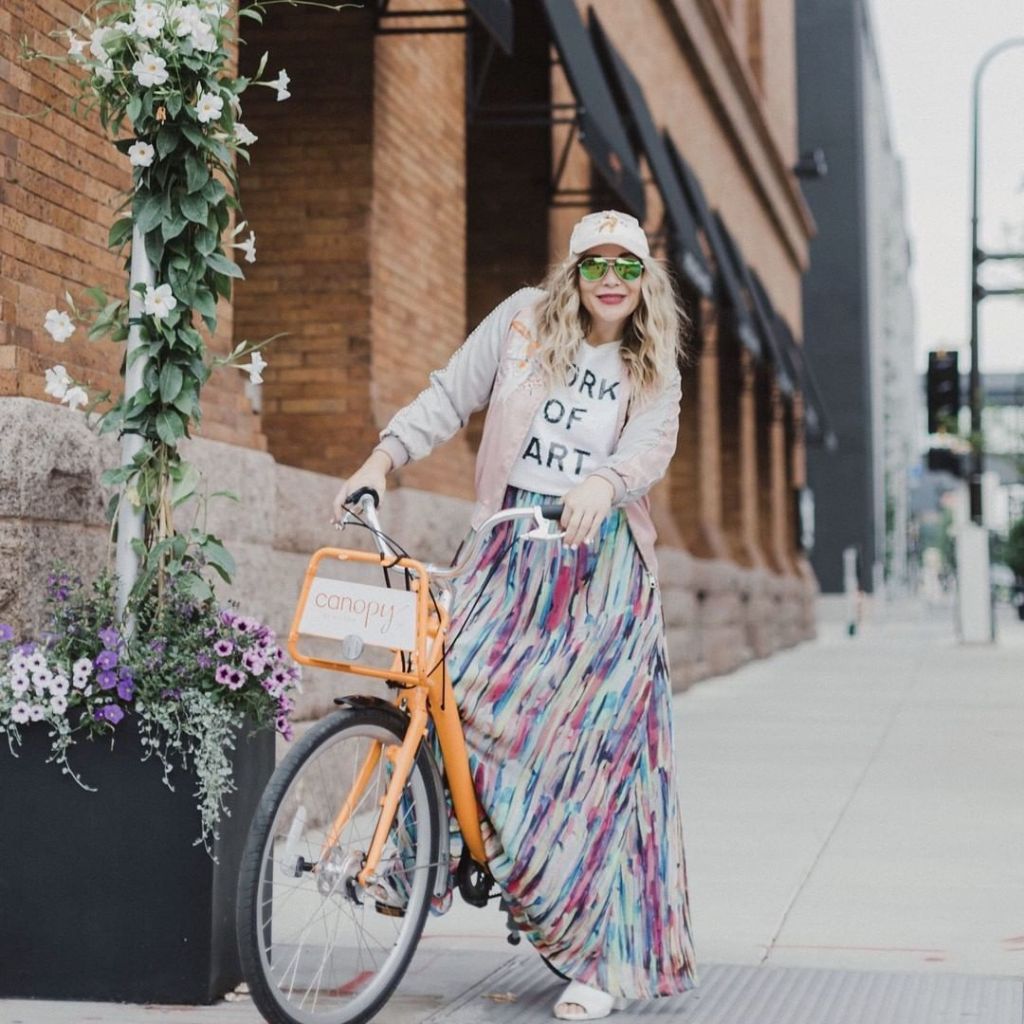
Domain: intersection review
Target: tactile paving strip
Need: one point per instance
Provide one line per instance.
(525, 990)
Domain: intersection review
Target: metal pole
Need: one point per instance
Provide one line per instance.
(130, 520)
(977, 292)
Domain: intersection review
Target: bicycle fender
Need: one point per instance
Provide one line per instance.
(434, 778)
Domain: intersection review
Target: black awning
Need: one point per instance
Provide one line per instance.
(685, 247)
(601, 130)
(495, 16)
(762, 309)
(781, 356)
(730, 292)
(816, 422)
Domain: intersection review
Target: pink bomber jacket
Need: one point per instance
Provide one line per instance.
(496, 366)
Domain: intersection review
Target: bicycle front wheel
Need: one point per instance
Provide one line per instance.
(316, 946)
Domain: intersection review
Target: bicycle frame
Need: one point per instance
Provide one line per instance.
(422, 697)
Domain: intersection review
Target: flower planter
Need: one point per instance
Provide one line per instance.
(103, 895)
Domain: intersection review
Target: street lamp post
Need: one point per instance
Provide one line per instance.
(978, 292)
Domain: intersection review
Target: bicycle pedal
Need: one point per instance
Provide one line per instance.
(388, 911)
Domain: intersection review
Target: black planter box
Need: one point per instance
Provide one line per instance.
(102, 895)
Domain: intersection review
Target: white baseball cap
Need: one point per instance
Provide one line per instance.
(609, 226)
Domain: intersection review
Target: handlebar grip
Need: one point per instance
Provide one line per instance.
(553, 511)
(363, 492)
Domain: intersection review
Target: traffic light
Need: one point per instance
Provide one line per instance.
(943, 386)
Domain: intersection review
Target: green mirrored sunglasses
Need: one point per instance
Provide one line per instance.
(593, 268)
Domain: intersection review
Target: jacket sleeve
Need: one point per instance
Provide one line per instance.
(646, 445)
(454, 392)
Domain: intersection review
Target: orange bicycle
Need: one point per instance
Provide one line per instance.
(351, 845)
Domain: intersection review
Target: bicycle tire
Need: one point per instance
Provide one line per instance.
(290, 817)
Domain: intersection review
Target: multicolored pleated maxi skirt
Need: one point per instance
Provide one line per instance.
(560, 673)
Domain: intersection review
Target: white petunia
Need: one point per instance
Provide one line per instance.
(208, 107)
(159, 301)
(243, 135)
(58, 325)
(248, 247)
(75, 397)
(19, 684)
(99, 36)
(58, 704)
(255, 368)
(189, 20)
(36, 712)
(150, 69)
(76, 46)
(149, 21)
(35, 662)
(81, 669)
(141, 154)
(59, 685)
(280, 85)
(20, 712)
(41, 680)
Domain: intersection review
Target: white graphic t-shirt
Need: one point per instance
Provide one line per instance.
(573, 432)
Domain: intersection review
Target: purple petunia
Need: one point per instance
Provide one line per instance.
(283, 726)
(253, 662)
(228, 618)
(108, 713)
(222, 648)
(223, 674)
(126, 687)
(203, 660)
(106, 660)
(6, 632)
(106, 679)
(110, 638)
(26, 649)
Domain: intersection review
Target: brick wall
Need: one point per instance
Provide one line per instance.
(60, 184)
(308, 198)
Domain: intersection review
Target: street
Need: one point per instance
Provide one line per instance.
(853, 823)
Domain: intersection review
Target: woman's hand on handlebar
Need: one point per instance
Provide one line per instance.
(586, 506)
(372, 473)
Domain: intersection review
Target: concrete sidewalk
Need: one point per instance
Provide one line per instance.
(854, 822)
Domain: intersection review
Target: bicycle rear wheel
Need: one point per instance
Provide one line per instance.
(316, 947)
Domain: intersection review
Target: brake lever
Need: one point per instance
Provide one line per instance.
(540, 531)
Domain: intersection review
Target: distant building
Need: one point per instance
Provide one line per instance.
(859, 321)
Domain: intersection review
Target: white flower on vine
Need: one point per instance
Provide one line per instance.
(36, 712)
(189, 20)
(236, 105)
(20, 683)
(205, 41)
(99, 36)
(105, 72)
(159, 301)
(208, 107)
(80, 671)
(244, 135)
(141, 154)
(149, 21)
(59, 685)
(58, 704)
(58, 325)
(248, 247)
(57, 382)
(75, 397)
(150, 69)
(280, 85)
(76, 46)
(215, 8)
(255, 368)
(20, 712)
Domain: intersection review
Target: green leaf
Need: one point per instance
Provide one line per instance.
(171, 379)
(194, 135)
(133, 108)
(205, 241)
(114, 477)
(171, 227)
(213, 191)
(186, 486)
(205, 303)
(222, 265)
(219, 557)
(120, 232)
(148, 212)
(249, 12)
(155, 246)
(174, 101)
(167, 140)
(187, 402)
(197, 174)
(170, 427)
(196, 587)
(194, 208)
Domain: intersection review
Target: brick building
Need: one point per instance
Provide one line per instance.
(425, 167)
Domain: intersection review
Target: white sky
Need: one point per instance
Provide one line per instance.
(929, 50)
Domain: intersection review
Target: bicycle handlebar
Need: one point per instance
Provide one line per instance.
(368, 500)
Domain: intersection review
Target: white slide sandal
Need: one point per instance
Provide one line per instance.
(581, 1002)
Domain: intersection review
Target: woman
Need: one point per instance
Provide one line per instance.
(559, 667)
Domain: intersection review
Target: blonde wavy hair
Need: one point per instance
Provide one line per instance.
(654, 339)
